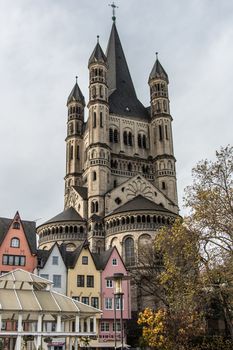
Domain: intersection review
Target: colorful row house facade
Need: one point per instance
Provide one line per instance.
(83, 275)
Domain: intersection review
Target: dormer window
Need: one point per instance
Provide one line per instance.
(16, 225)
(15, 242)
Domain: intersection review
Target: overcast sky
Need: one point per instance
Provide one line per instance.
(44, 44)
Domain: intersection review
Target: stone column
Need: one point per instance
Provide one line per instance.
(39, 329)
(18, 340)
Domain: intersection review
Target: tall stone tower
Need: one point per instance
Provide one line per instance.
(120, 183)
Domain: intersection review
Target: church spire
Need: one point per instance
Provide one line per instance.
(76, 94)
(122, 96)
(97, 55)
(158, 71)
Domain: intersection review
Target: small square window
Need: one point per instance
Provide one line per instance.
(85, 260)
(44, 275)
(114, 261)
(55, 260)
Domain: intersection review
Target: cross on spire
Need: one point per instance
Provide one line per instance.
(113, 6)
(76, 78)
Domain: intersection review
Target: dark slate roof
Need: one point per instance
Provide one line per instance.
(69, 214)
(82, 191)
(76, 95)
(139, 203)
(97, 56)
(101, 260)
(158, 72)
(122, 95)
(42, 257)
(29, 230)
(96, 218)
(72, 257)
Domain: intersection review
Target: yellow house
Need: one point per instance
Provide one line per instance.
(83, 278)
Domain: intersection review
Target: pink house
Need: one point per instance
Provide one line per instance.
(110, 262)
(17, 244)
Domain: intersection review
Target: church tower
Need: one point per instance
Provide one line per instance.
(74, 151)
(98, 150)
(164, 160)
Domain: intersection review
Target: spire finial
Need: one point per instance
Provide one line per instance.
(76, 78)
(113, 6)
(98, 39)
(157, 54)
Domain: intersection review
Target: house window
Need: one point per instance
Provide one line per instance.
(55, 260)
(118, 303)
(114, 261)
(104, 326)
(14, 260)
(95, 302)
(118, 326)
(57, 281)
(80, 280)
(109, 283)
(85, 260)
(108, 304)
(44, 275)
(76, 298)
(90, 281)
(85, 300)
(16, 225)
(15, 242)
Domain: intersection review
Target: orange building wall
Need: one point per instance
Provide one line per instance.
(24, 249)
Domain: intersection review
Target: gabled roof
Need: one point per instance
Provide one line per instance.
(101, 260)
(158, 72)
(29, 228)
(69, 214)
(122, 95)
(97, 55)
(76, 95)
(140, 203)
(82, 191)
(72, 257)
(44, 254)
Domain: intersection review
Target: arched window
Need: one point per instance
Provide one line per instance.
(94, 120)
(15, 242)
(111, 135)
(129, 251)
(160, 133)
(71, 152)
(78, 155)
(129, 167)
(166, 132)
(115, 136)
(139, 141)
(93, 92)
(125, 138)
(92, 207)
(101, 91)
(94, 175)
(130, 141)
(96, 207)
(144, 141)
(101, 119)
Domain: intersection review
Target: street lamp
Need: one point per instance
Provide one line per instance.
(118, 294)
